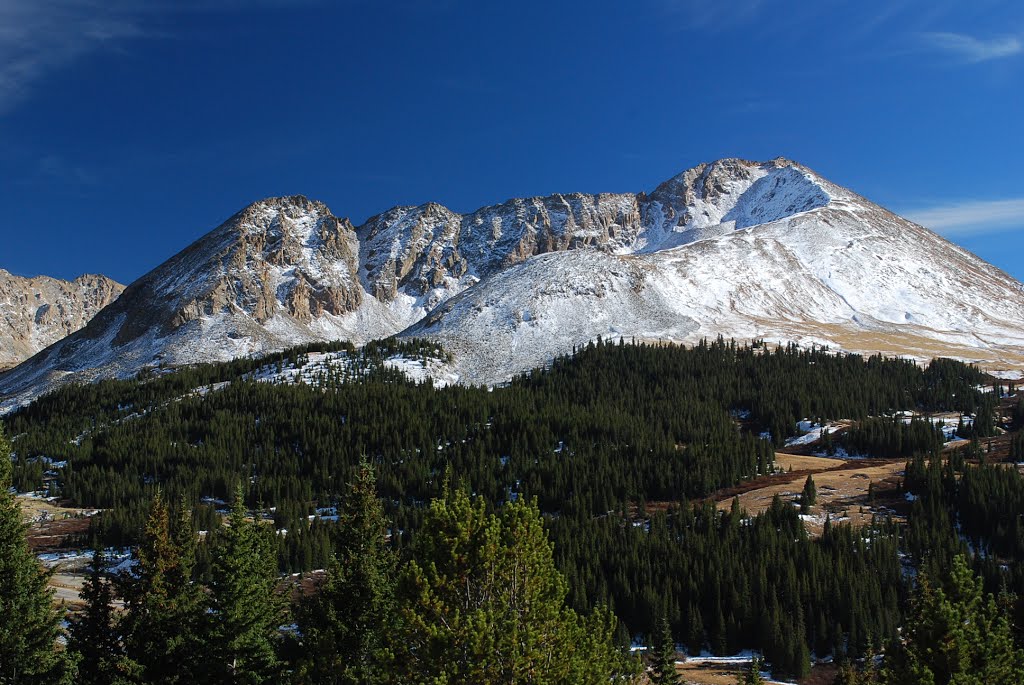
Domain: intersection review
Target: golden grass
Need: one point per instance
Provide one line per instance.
(842, 487)
(904, 343)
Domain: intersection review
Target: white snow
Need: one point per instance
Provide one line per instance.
(812, 432)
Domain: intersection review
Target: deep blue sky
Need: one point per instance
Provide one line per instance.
(128, 128)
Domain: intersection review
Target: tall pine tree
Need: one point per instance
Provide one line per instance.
(94, 638)
(483, 603)
(29, 623)
(957, 634)
(345, 625)
(809, 495)
(663, 660)
(163, 607)
(244, 638)
(753, 674)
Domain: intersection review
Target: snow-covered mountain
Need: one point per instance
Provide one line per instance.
(741, 249)
(37, 312)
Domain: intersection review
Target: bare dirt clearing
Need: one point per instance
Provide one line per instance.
(726, 671)
(843, 488)
(54, 530)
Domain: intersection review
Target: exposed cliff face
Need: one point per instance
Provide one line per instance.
(735, 248)
(284, 257)
(419, 249)
(282, 264)
(37, 312)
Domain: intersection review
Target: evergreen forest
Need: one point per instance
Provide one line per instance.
(580, 496)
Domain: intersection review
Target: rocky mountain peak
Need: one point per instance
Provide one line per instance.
(714, 198)
(732, 247)
(289, 256)
(289, 204)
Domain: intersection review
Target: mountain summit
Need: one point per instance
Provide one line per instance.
(735, 248)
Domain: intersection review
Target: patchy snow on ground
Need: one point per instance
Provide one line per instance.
(315, 367)
(737, 660)
(819, 518)
(420, 370)
(117, 558)
(812, 432)
(838, 452)
(311, 368)
(52, 559)
(41, 495)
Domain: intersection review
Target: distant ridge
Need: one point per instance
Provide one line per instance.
(37, 312)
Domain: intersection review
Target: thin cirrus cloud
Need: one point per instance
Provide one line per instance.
(38, 37)
(972, 218)
(971, 50)
(696, 14)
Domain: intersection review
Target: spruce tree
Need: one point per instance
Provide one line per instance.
(663, 660)
(845, 675)
(753, 674)
(800, 656)
(162, 613)
(809, 495)
(345, 625)
(694, 630)
(190, 600)
(483, 602)
(243, 640)
(94, 638)
(29, 623)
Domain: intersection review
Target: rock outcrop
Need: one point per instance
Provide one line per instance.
(37, 312)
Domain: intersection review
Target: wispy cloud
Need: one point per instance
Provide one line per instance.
(38, 37)
(55, 167)
(970, 50)
(712, 16)
(972, 218)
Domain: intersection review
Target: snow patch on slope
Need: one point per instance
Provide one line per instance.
(716, 199)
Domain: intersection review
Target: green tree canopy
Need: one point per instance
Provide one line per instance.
(957, 635)
(753, 674)
(95, 634)
(247, 612)
(484, 603)
(663, 659)
(163, 608)
(809, 495)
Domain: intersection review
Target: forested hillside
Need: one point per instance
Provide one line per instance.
(619, 444)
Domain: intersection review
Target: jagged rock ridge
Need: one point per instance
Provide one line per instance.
(37, 312)
(734, 248)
